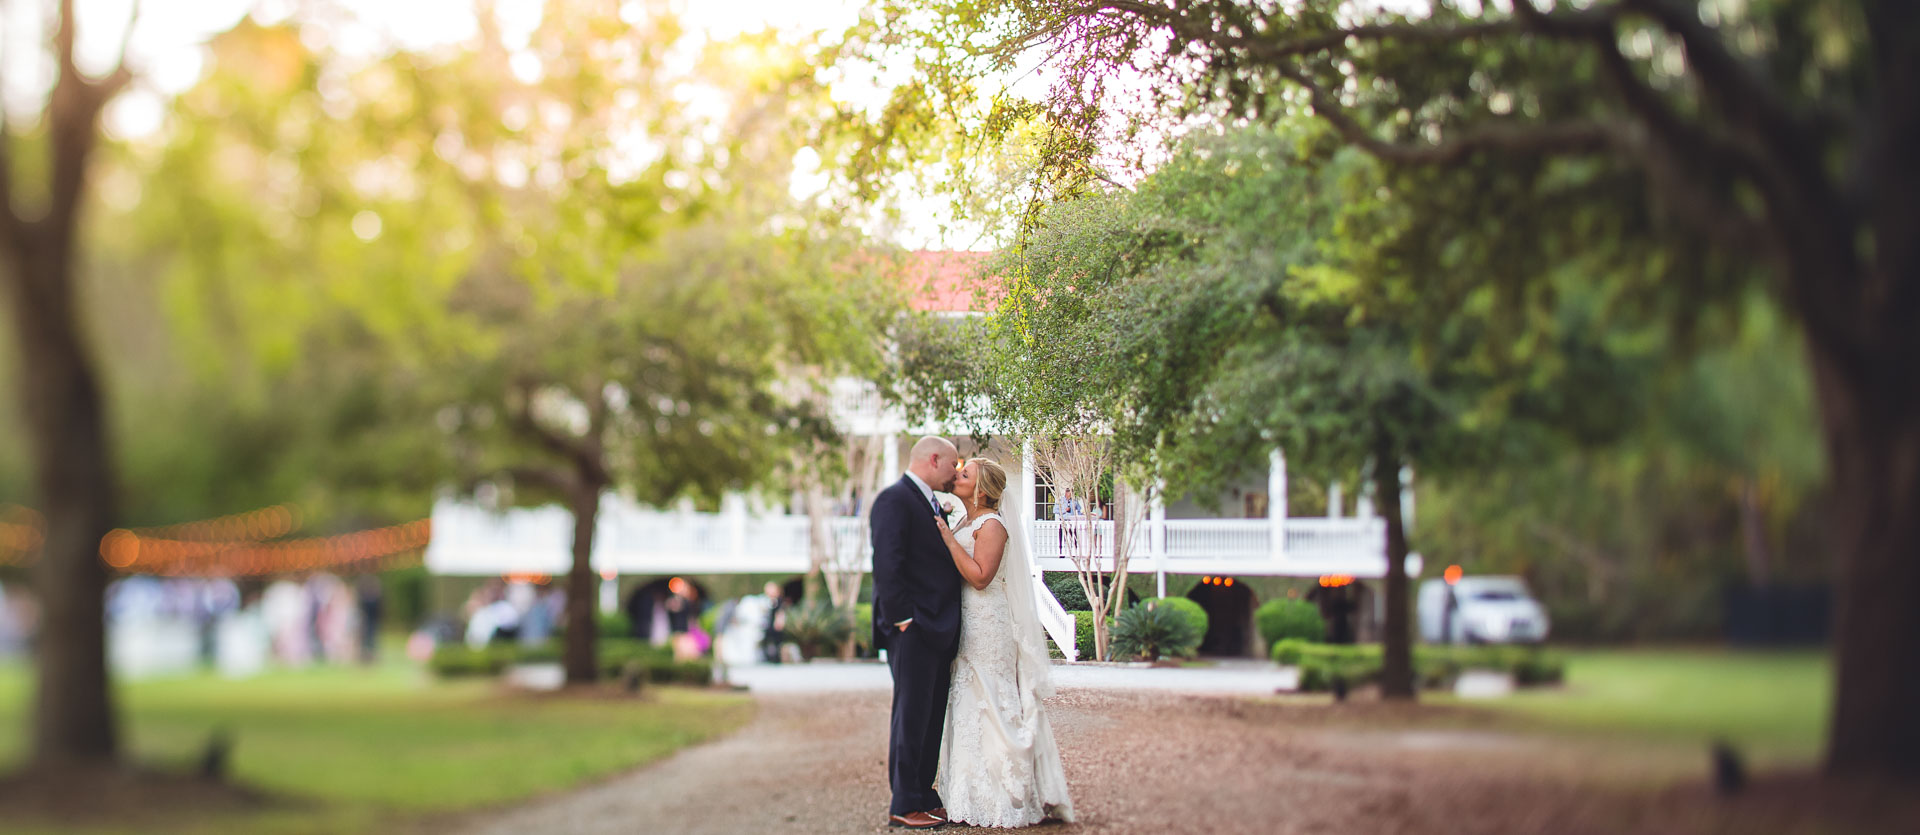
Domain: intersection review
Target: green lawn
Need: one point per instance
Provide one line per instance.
(389, 743)
(1771, 704)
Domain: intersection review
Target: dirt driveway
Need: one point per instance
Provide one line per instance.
(1156, 762)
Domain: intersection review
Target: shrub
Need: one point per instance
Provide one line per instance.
(1150, 632)
(615, 625)
(708, 618)
(1289, 651)
(1066, 588)
(1433, 667)
(1282, 619)
(1083, 633)
(614, 654)
(1191, 609)
(863, 627)
(457, 660)
(697, 673)
(817, 627)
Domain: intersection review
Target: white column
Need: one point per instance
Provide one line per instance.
(1334, 500)
(609, 592)
(1363, 504)
(1029, 482)
(1277, 503)
(733, 508)
(1157, 536)
(890, 460)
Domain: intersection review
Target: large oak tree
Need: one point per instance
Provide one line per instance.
(1777, 134)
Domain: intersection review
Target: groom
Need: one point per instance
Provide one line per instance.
(916, 618)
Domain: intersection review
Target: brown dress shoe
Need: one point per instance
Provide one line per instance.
(914, 820)
(940, 813)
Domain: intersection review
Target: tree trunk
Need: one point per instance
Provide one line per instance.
(74, 721)
(1396, 667)
(1873, 445)
(1753, 533)
(583, 638)
(1866, 371)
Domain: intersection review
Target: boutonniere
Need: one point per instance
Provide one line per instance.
(948, 506)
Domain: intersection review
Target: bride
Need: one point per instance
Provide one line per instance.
(999, 765)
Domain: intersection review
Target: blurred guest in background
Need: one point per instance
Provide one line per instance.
(776, 629)
(370, 598)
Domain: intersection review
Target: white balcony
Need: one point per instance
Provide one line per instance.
(632, 540)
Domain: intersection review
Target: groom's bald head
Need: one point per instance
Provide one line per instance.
(933, 459)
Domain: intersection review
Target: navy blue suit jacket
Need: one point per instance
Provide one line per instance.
(913, 574)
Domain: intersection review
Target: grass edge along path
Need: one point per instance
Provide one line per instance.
(1770, 704)
(358, 749)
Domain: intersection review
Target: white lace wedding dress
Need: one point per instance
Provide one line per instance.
(999, 765)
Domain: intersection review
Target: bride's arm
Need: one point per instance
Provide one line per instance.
(989, 545)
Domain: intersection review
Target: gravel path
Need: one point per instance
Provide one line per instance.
(1160, 762)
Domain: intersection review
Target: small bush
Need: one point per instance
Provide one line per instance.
(1282, 619)
(1289, 651)
(547, 652)
(863, 627)
(614, 654)
(708, 618)
(817, 627)
(1083, 633)
(1193, 611)
(1433, 666)
(615, 625)
(1152, 632)
(458, 660)
(697, 673)
(1066, 588)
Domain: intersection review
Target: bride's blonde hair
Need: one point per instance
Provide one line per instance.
(990, 483)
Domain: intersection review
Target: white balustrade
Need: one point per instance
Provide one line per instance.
(634, 540)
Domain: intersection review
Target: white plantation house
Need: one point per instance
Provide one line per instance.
(1178, 542)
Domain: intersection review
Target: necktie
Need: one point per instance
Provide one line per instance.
(936, 506)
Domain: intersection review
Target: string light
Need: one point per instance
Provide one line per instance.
(379, 548)
(22, 532)
(1334, 581)
(229, 546)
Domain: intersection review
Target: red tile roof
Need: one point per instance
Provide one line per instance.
(948, 281)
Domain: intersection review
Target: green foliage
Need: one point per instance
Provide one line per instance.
(614, 624)
(1281, 619)
(1435, 666)
(1192, 610)
(707, 619)
(1083, 633)
(863, 627)
(1151, 632)
(617, 657)
(1066, 588)
(375, 749)
(818, 628)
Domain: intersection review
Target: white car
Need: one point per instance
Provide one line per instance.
(1481, 610)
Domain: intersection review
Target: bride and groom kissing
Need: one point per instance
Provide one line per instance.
(954, 609)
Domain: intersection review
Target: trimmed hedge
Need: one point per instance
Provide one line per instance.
(1281, 619)
(614, 625)
(1433, 666)
(1195, 614)
(615, 656)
